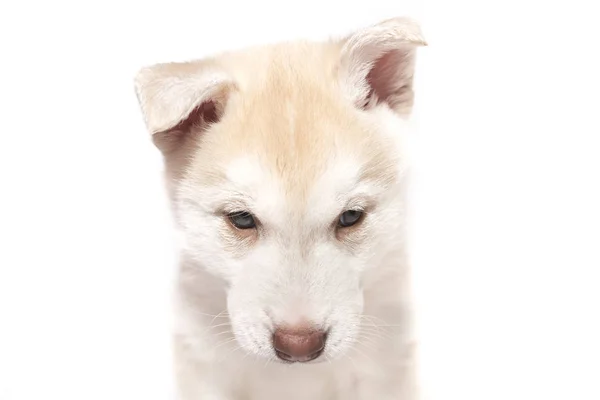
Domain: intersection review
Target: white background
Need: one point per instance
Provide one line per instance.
(507, 226)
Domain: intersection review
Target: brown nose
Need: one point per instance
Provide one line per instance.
(298, 344)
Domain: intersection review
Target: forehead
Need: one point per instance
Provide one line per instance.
(267, 190)
(290, 133)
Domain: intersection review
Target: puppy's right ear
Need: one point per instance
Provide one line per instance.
(181, 99)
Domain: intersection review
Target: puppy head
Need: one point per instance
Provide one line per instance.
(285, 167)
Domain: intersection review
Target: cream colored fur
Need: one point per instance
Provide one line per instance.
(295, 133)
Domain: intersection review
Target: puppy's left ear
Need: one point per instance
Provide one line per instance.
(179, 100)
(377, 64)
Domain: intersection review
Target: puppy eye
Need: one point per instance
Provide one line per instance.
(349, 218)
(242, 220)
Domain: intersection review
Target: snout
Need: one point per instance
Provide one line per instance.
(299, 343)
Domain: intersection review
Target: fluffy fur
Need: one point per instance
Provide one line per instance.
(295, 134)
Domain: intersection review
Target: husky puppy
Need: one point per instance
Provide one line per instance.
(286, 170)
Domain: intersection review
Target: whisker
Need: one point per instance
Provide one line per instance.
(374, 328)
(208, 328)
(219, 325)
(381, 333)
(267, 362)
(223, 333)
(371, 340)
(225, 315)
(376, 321)
(368, 346)
(217, 316)
(223, 343)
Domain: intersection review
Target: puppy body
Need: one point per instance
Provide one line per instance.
(293, 137)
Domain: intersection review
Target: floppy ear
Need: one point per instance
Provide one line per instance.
(179, 99)
(377, 64)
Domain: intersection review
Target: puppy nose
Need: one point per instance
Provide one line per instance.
(298, 344)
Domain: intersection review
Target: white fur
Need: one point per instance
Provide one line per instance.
(232, 295)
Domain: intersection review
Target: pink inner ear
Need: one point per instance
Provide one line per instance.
(198, 120)
(388, 80)
(205, 113)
